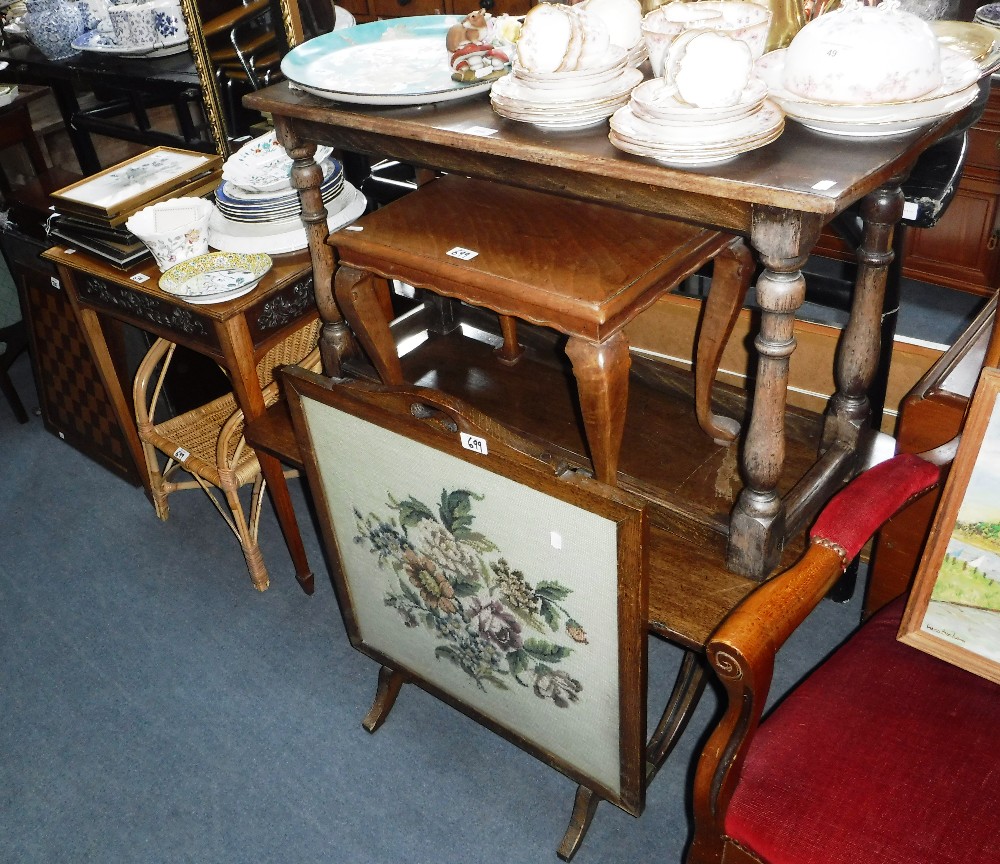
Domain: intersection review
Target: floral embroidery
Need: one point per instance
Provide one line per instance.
(490, 621)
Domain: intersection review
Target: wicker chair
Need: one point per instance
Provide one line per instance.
(207, 442)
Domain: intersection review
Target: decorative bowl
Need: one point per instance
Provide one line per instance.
(863, 55)
(747, 21)
(174, 230)
(215, 276)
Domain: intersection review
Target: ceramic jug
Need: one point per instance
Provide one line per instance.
(53, 25)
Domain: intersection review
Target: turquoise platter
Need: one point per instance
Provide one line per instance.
(400, 61)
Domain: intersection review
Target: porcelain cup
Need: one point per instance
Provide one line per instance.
(168, 20)
(133, 25)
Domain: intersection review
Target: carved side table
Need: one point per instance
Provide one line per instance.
(236, 335)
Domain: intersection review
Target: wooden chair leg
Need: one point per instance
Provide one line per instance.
(389, 683)
(731, 274)
(358, 298)
(246, 531)
(584, 808)
(511, 350)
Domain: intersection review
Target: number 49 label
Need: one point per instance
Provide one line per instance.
(471, 442)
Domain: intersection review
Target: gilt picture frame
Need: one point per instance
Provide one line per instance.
(130, 184)
(486, 573)
(954, 607)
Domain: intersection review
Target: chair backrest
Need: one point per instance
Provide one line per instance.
(298, 348)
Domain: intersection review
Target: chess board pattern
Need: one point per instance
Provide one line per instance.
(73, 401)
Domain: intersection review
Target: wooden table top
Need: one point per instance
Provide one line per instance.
(145, 279)
(802, 171)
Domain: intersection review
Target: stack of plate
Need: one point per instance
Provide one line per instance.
(656, 123)
(959, 88)
(566, 100)
(257, 210)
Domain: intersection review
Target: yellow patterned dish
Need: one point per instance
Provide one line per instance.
(974, 40)
(215, 277)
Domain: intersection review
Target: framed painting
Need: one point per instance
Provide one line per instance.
(476, 566)
(124, 187)
(954, 607)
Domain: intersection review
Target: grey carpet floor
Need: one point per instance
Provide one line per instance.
(155, 708)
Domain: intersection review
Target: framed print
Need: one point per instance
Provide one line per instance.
(954, 607)
(475, 566)
(130, 184)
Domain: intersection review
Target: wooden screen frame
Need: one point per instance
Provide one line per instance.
(983, 418)
(438, 421)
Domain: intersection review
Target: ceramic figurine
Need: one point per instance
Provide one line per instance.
(480, 46)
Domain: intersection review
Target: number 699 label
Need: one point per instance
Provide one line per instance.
(471, 442)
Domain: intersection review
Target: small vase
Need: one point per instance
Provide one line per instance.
(53, 26)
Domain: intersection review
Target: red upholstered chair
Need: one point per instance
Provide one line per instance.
(883, 755)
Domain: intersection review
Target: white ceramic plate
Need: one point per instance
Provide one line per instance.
(401, 61)
(215, 273)
(516, 90)
(262, 165)
(903, 118)
(279, 238)
(653, 100)
(696, 137)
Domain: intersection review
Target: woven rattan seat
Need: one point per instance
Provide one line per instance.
(207, 442)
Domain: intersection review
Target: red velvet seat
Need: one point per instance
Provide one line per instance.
(883, 755)
(878, 759)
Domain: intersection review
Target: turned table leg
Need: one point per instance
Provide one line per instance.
(335, 342)
(757, 526)
(601, 371)
(858, 350)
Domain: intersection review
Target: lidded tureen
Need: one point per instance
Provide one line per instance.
(863, 55)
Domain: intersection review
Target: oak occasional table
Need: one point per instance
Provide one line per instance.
(236, 335)
(779, 196)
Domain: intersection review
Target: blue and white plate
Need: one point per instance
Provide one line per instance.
(98, 42)
(400, 61)
(234, 193)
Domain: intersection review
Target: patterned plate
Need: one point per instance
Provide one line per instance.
(262, 165)
(217, 273)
